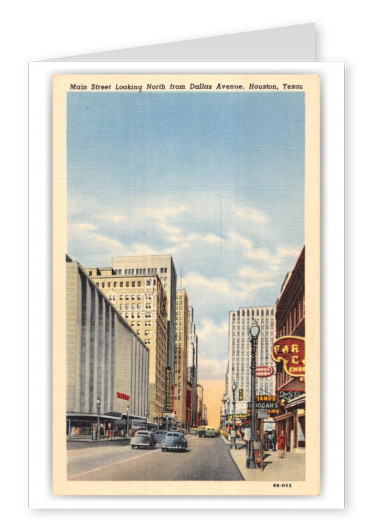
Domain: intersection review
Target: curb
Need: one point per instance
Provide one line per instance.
(235, 463)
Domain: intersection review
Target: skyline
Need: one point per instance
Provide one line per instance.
(201, 177)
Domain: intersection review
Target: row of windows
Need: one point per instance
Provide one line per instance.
(141, 271)
(255, 313)
(131, 284)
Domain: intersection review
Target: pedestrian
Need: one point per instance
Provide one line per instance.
(274, 440)
(266, 441)
(281, 444)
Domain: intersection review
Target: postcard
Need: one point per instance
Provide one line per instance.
(186, 284)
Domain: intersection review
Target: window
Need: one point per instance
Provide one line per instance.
(133, 284)
(139, 283)
(121, 284)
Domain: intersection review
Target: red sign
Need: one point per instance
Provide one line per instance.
(264, 371)
(123, 397)
(290, 350)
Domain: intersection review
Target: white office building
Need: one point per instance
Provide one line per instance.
(239, 351)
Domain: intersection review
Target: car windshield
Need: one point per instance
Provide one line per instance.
(142, 433)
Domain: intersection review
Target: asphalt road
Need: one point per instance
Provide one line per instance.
(205, 460)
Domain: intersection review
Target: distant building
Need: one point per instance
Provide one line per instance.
(181, 356)
(106, 360)
(239, 351)
(200, 405)
(192, 363)
(142, 302)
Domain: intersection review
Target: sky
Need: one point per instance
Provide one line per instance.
(214, 179)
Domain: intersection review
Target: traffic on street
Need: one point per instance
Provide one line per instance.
(193, 458)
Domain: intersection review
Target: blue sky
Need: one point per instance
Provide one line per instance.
(214, 179)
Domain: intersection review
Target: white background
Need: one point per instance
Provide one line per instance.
(40, 30)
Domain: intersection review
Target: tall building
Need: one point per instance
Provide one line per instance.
(163, 266)
(192, 364)
(106, 360)
(142, 302)
(181, 356)
(239, 353)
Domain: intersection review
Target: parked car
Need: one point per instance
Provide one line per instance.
(143, 439)
(159, 435)
(174, 440)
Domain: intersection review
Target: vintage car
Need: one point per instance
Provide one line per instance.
(143, 439)
(159, 435)
(174, 440)
(207, 431)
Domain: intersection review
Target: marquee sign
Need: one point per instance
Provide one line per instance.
(290, 350)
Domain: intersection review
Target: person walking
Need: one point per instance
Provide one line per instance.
(281, 444)
(274, 440)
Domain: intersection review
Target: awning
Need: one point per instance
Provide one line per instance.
(283, 417)
(299, 400)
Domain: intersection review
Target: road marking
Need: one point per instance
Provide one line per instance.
(114, 463)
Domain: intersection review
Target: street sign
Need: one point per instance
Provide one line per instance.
(262, 413)
(264, 371)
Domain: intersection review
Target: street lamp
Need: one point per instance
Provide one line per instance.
(127, 433)
(234, 387)
(228, 412)
(253, 334)
(146, 418)
(99, 420)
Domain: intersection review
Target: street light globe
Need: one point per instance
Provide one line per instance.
(98, 401)
(234, 386)
(254, 331)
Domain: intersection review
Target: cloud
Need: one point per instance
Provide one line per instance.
(114, 218)
(251, 214)
(212, 369)
(197, 282)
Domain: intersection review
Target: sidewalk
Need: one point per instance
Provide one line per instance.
(290, 468)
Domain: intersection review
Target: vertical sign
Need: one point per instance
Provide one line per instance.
(168, 404)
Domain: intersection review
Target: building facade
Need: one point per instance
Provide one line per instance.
(163, 266)
(106, 360)
(142, 302)
(290, 321)
(239, 351)
(192, 364)
(181, 356)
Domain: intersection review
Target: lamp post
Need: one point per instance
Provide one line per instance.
(253, 334)
(146, 418)
(98, 420)
(233, 438)
(127, 432)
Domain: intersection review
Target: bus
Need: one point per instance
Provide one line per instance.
(206, 431)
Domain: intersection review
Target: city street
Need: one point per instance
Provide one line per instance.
(205, 459)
